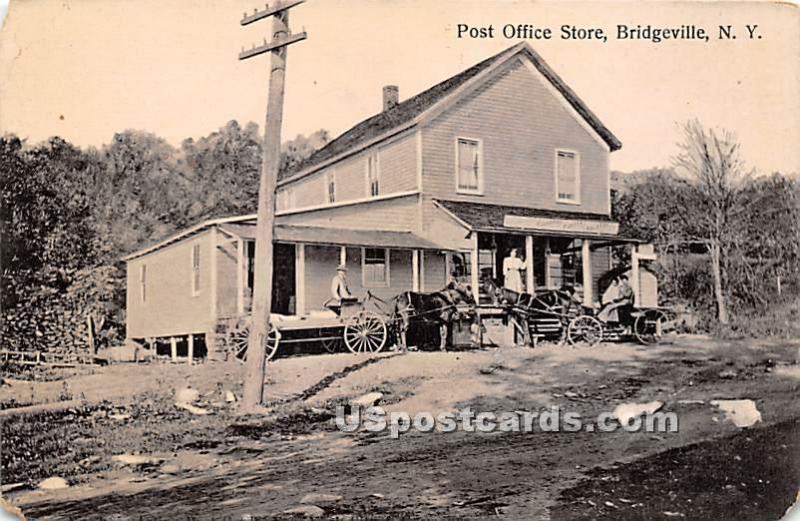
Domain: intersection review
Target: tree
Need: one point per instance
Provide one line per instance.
(224, 168)
(711, 162)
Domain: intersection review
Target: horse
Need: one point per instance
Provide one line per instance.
(440, 307)
(550, 303)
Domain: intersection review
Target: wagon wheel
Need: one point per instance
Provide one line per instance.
(331, 345)
(585, 329)
(237, 337)
(365, 333)
(651, 326)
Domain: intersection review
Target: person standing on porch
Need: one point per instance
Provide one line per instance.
(512, 271)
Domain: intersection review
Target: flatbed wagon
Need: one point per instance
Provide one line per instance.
(351, 323)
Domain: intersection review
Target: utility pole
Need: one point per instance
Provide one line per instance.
(270, 162)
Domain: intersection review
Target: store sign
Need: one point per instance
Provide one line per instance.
(543, 224)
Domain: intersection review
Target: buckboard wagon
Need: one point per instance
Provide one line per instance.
(351, 323)
(362, 326)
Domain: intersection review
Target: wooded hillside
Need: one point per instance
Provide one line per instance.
(69, 215)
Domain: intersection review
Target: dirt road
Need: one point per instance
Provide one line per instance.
(709, 469)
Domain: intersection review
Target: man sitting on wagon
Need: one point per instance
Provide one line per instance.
(339, 290)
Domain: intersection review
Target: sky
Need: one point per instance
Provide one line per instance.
(84, 69)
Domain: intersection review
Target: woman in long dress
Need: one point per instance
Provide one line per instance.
(512, 268)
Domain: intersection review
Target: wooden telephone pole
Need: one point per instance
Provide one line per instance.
(270, 162)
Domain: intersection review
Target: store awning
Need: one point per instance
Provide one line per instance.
(483, 217)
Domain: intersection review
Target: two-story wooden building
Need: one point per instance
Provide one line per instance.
(503, 155)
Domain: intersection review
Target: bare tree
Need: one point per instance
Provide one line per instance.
(710, 160)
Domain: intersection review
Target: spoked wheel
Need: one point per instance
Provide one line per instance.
(331, 345)
(237, 337)
(651, 326)
(365, 333)
(584, 330)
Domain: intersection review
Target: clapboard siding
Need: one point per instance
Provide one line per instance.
(308, 192)
(169, 307)
(442, 229)
(398, 166)
(400, 214)
(521, 123)
(321, 262)
(227, 278)
(433, 271)
(397, 173)
(600, 265)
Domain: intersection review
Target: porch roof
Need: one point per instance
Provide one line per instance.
(336, 236)
(499, 218)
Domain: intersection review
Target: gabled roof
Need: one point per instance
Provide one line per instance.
(409, 110)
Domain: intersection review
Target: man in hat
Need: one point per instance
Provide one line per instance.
(339, 288)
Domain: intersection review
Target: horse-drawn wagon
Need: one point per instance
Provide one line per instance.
(556, 314)
(362, 325)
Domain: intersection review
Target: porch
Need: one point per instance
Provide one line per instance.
(556, 249)
(305, 260)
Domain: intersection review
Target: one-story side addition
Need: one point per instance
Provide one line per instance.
(442, 185)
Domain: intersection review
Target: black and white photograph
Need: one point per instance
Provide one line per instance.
(414, 259)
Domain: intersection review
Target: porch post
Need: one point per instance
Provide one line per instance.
(240, 267)
(529, 264)
(448, 267)
(422, 270)
(588, 298)
(173, 348)
(343, 255)
(300, 278)
(190, 353)
(415, 270)
(474, 275)
(548, 283)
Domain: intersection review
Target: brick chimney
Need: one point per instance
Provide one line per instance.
(391, 96)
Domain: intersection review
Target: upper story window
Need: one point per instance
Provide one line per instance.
(330, 188)
(375, 267)
(195, 270)
(281, 200)
(469, 166)
(284, 199)
(568, 176)
(143, 282)
(373, 182)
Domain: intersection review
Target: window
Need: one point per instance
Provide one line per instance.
(330, 183)
(469, 166)
(284, 200)
(373, 184)
(143, 282)
(375, 267)
(195, 270)
(567, 176)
